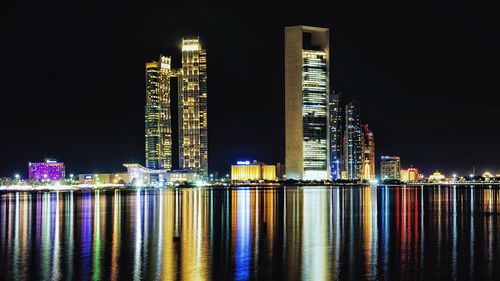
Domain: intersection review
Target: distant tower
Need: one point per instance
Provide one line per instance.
(368, 156)
(335, 136)
(307, 63)
(193, 134)
(390, 168)
(157, 114)
(352, 141)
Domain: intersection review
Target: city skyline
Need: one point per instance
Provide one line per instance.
(402, 103)
(206, 141)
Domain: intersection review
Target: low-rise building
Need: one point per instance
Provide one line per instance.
(139, 175)
(436, 177)
(487, 175)
(409, 175)
(103, 178)
(246, 171)
(50, 170)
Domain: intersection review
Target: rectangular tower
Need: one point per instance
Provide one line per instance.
(335, 136)
(307, 63)
(193, 134)
(353, 141)
(157, 114)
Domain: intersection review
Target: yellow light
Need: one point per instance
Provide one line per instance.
(191, 47)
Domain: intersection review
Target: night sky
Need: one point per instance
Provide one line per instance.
(426, 74)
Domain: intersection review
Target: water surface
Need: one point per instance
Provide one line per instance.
(309, 233)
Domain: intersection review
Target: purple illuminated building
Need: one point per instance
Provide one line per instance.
(46, 171)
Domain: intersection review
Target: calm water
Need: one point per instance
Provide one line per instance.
(310, 233)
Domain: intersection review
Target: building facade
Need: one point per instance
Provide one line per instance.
(368, 156)
(193, 123)
(246, 171)
(49, 170)
(390, 167)
(157, 114)
(139, 176)
(106, 178)
(307, 63)
(353, 149)
(335, 136)
(409, 175)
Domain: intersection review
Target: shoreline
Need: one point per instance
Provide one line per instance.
(274, 185)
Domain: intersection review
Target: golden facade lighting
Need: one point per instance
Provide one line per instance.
(193, 135)
(244, 171)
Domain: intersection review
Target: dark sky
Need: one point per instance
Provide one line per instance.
(72, 78)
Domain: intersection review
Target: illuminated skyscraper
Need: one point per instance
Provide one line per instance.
(335, 136)
(193, 135)
(368, 156)
(352, 141)
(192, 110)
(157, 114)
(307, 62)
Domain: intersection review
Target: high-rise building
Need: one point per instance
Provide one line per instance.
(193, 134)
(368, 155)
(50, 170)
(335, 136)
(353, 150)
(307, 63)
(157, 114)
(192, 111)
(390, 168)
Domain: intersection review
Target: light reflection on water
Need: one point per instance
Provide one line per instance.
(310, 233)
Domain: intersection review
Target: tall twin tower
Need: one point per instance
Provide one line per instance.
(192, 110)
(315, 147)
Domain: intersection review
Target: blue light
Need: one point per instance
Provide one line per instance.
(243, 162)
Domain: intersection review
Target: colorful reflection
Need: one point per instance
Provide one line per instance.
(306, 233)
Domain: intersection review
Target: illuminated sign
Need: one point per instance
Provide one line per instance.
(243, 162)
